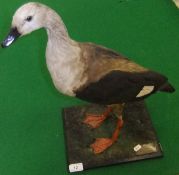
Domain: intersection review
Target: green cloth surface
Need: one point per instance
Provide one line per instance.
(31, 128)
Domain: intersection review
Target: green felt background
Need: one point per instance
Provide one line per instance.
(31, 130)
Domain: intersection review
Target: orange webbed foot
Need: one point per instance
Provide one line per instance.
(101, 144)
(95, 121)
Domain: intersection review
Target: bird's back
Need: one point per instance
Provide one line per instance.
(112, 78)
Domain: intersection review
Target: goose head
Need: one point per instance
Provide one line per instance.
(26, 19)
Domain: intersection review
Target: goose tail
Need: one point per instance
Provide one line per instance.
(167, 87)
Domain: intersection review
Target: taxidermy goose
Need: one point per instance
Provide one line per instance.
(87, 71)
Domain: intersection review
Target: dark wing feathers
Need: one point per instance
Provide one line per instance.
(167, 88)
(118, 86)
(112, 78)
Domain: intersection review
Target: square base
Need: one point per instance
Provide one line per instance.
(137, 140)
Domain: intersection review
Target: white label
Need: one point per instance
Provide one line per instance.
(137, 148)
(75, 167)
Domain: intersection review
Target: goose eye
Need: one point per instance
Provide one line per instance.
(29, 18)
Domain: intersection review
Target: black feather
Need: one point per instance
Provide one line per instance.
(120, 87)
(167, 88)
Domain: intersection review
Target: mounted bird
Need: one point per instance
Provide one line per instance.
(88, 71)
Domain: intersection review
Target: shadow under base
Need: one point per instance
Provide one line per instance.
(137, 140)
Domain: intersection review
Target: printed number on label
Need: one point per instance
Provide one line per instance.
(75, 167)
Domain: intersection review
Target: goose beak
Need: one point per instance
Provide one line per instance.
(12, 36)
